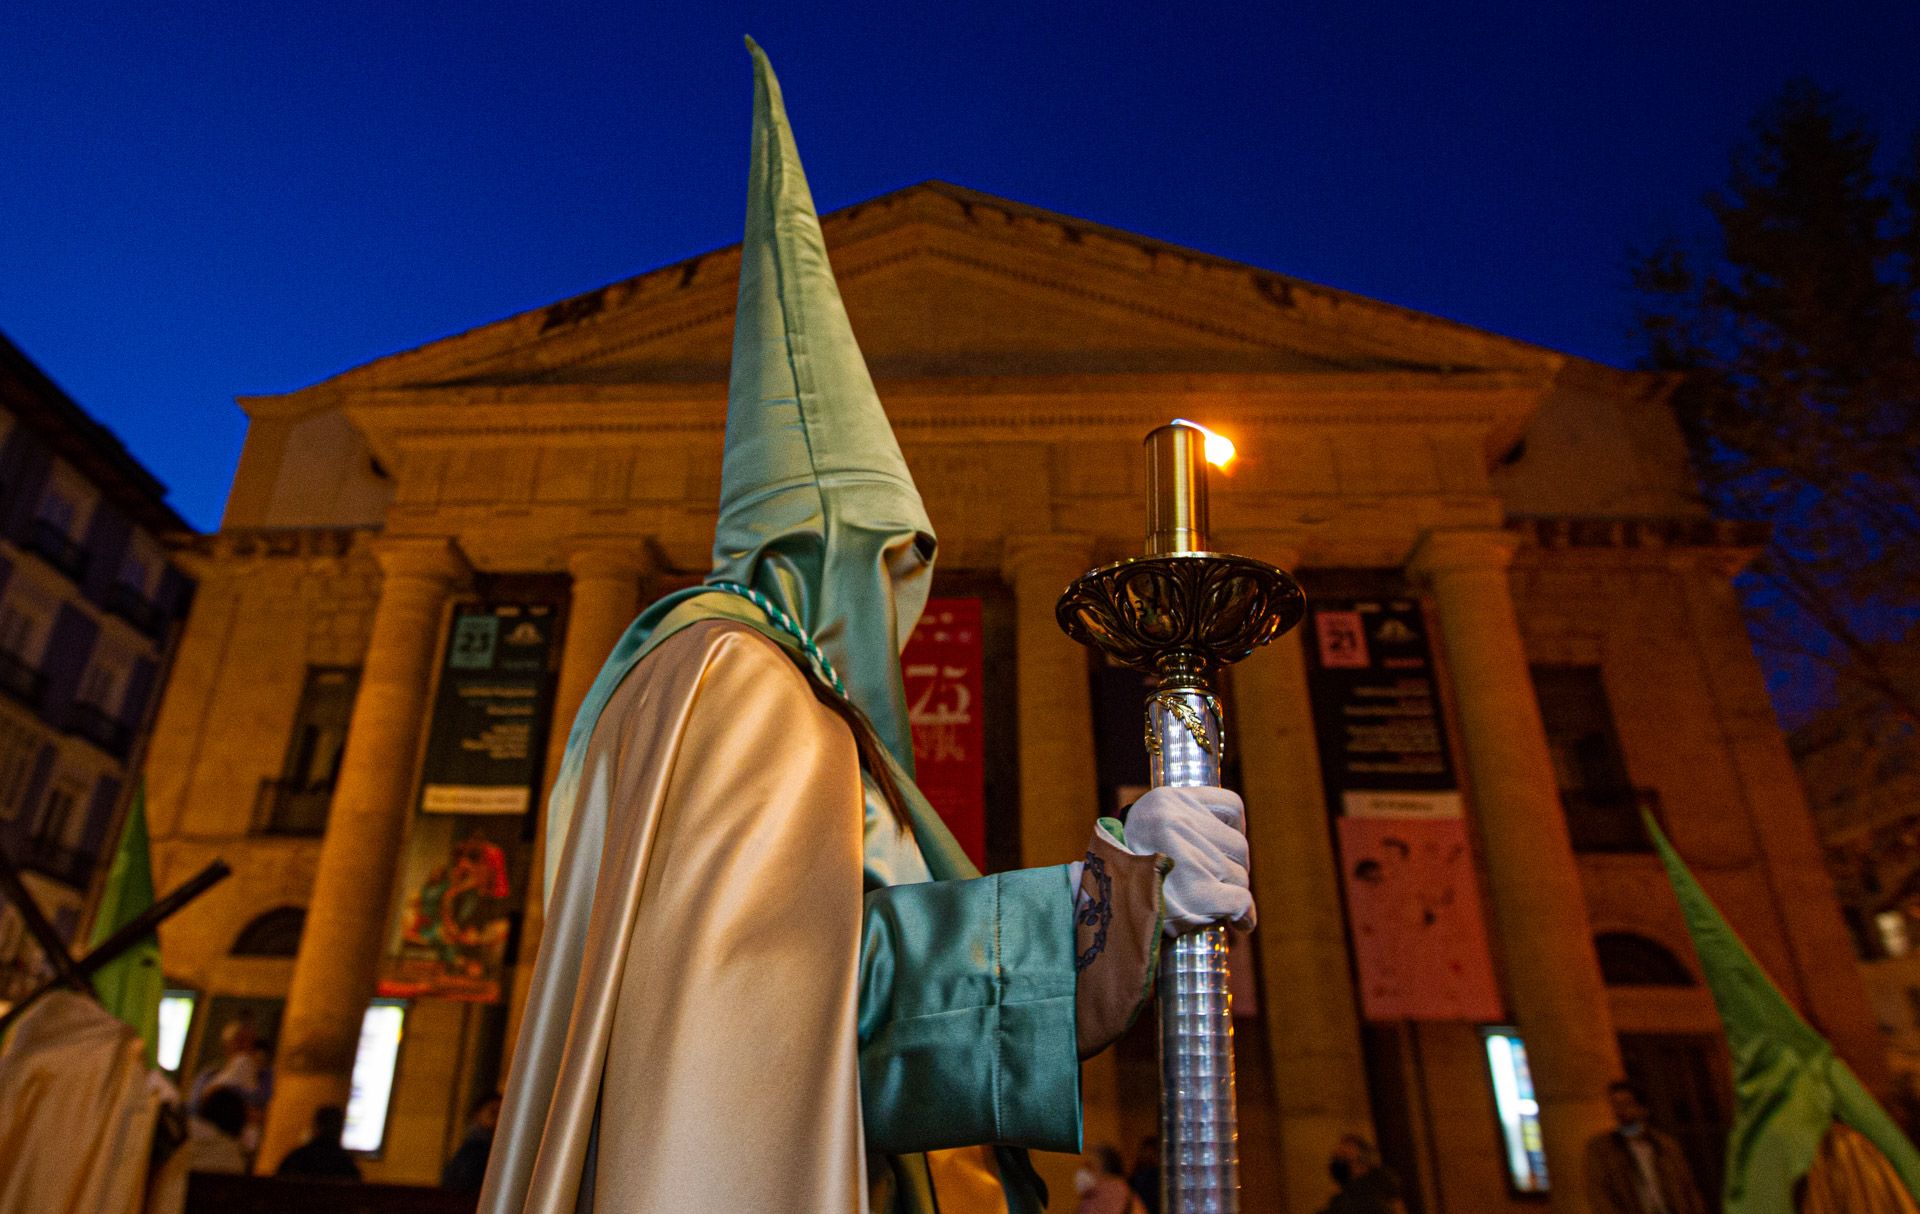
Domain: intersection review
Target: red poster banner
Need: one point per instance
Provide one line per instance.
(1413, 903)
(942, 668)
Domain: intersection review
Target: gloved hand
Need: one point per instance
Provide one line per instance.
(1200, 830)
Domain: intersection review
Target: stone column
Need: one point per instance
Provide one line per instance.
(603, 599)
(1540, 912)
(1059, 791)
(1059, 788)
(1306, 991)
(334, 972)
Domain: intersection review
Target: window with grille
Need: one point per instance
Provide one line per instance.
(297, 802)
(19, 743)
(59, 820)
(1601, 803)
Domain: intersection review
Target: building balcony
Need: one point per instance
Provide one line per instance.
(71, 866)
(100, 727)
(22, 681)
(133, 606)
(61, 550)
(291, 807)
(1608, 820)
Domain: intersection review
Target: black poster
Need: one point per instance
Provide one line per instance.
(490, 717)
(1376, 710)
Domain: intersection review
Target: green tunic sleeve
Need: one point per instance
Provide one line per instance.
(967, 1014)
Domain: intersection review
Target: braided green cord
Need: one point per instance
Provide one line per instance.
(785, 623)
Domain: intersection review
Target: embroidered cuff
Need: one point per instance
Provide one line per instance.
(1116, 937)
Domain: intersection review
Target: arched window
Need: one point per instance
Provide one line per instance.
(274, 934)
(1630, 960)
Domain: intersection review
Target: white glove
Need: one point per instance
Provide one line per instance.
(1199, 829)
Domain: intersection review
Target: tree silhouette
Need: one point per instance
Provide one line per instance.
(1800, 339)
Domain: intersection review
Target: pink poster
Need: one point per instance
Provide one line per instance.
(1413, 904)
(942, 670)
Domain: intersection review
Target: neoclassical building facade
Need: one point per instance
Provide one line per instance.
(1518, 520)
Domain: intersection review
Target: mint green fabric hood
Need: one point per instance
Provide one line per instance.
(817, 509)
(1788, 1085)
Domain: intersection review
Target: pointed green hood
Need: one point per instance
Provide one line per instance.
(1788, 1085)
(817, 509)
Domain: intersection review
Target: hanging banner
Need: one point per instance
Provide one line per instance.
(1376, 711)
(942, 668)
(463, 873)
(1413, 896)
(1413, 906)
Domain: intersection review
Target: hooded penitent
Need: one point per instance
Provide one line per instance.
(817, 510)
(1789, 1088)
(752, 991)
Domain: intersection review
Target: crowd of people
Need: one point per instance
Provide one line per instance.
(225, 1107)
(1630, 1169)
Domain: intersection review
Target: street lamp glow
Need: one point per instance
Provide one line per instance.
(1219, 448)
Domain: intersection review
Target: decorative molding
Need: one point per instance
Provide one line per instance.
(1646, 533)
(281, 543)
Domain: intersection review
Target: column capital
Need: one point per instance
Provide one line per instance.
(1450, 550)
(623, 557)
(1058, 554)
(434, 558)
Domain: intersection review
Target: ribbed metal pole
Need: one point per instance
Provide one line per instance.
(1199, 1134)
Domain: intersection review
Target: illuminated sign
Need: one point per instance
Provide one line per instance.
(373, 1067)
(176, 1020)
(1518, 1111)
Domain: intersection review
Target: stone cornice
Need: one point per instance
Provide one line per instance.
(283, 543)
(1641, 534)
(1494, 407)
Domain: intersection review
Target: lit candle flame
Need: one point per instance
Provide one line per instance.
(1219, 448)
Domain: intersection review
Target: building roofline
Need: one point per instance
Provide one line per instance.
(1270, 280)
(43, 406)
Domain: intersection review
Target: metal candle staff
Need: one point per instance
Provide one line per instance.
(1181, 612)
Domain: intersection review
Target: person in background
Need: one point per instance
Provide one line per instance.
(1367, 1186)
(1103, 1185)
(1636, 1169)
(322, 1157)
(240, 1067)
(467, 1170)
(246, 1067)
(213, 1133)
(1144, 1180)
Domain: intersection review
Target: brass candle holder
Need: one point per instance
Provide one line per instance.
(1181, 612)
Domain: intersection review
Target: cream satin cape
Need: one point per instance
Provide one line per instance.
(707, 1003)
(76, 1111)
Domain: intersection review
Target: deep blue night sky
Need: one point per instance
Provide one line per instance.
(246, 198)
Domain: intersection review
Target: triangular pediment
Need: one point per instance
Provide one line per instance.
(940, 281)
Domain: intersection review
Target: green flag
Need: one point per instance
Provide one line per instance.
(130, 985)
(1789, 1088)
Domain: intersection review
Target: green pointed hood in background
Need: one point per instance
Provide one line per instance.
(131, 984)
(1789, 1087)
(817, 509)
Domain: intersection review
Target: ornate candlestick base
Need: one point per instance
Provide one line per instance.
(1182, 616)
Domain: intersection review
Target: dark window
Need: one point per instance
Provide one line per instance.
(1603, 806)
(1630, 960)
(274, 934)
(296, 803)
